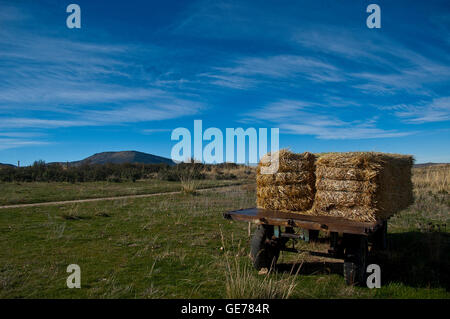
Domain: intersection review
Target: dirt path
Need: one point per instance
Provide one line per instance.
(109, 198)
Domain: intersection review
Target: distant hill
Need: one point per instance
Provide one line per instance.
(429, 164)
(6, 165)
(123, 157)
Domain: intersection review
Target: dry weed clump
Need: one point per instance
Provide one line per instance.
(243, 283)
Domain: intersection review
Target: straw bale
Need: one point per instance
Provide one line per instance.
(343, 199)
(298, 204)
(364, 160)
(361, 186)
(302, 177)
(361, 214)
(337, 173)
(288, 161)
(292, 187)
(345, 185)
(286, 191)
(349, 184)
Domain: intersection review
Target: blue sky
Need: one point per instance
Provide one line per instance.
(136, 70)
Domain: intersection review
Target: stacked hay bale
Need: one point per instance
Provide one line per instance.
(362, 186)
(292, 187)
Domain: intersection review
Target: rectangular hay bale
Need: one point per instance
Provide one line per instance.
(345, 185)
(347, 174)
(284, 203)
(350, 183)
(288, 162)
(292, 187)
(286, 191)
(294, 178)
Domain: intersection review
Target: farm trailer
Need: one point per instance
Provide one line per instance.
(275, 228)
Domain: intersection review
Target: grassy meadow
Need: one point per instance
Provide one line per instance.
(179, 246)
(40, 192)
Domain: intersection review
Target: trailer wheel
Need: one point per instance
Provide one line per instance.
(355, 260)
(264, 251)
(313, 235)
(380, 241)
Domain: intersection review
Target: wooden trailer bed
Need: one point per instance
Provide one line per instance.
(323, 223)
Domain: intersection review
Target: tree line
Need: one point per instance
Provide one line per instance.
(57, 172)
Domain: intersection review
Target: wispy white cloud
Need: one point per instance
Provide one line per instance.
(376, 66)
(279, 66)
(79, 94)
(10, 13)
(347, 132)
(438, 110)
(335, 40)
(231, 81)
(156, 130)
(15, 139)
(14, 122)
(8, 143)
(247, 72)
(389, 66)
(141, 113)
(226, 20)
(303, 118)
(113, 116)
(80, 83)
(21, 134)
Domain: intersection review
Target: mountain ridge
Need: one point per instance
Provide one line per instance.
(122, 157)
(6, 165)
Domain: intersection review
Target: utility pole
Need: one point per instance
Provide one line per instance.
(18, 163)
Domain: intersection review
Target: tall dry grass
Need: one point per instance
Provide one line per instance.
(189, 183)
(430, 210)
(243, 283)
(432, 178)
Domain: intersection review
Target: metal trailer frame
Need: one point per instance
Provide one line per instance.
(348, 239)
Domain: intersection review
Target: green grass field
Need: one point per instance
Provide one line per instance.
(177, 246)
(25, 193)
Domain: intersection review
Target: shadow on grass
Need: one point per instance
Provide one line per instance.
(415, 259)
(311, 268)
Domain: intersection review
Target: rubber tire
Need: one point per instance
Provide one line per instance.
(313, 235)
(380, 241)
(355, 260)
(264, 254)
